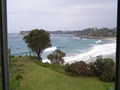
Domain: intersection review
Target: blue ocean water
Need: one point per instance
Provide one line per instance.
(68, 43)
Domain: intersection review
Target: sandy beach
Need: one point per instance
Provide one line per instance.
(106, 50)
(92, 59)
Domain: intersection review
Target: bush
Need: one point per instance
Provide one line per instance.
(56, 57)
(104, 68)
(12, 56)
(78, 68)
(19, 76)
(90, 69)
(20, 56)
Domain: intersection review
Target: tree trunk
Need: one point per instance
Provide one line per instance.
(39, 57)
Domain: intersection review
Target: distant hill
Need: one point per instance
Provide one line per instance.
(50, 32)
(89, 32)
(95, 32)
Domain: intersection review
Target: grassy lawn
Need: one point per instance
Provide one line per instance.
(36, 77)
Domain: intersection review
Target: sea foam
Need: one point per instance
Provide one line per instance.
(50, 49)
(104, 49)
(99, 41)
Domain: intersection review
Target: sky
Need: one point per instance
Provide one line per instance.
(24, 15)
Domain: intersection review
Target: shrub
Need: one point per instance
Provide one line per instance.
(9, 52)
(90, 69)
(56, 57)
(104, 68)
(20, 56)
(78, 68)
(11, 56)
(19, 76)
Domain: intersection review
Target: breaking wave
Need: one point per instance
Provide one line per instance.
(50, 49)
(99, 41)
(104, 49)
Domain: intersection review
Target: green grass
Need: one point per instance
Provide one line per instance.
(37, 77)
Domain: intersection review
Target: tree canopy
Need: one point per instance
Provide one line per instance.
(56, 57)
(38, 40)
(104, 68)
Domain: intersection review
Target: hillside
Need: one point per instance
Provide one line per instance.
(95, 32)
(36, 77)
(85, 33)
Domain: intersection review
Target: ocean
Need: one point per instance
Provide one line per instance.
(75, 48)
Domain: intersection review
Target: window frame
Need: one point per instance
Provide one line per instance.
(117, 81)
(4, 46)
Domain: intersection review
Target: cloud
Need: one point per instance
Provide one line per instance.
(60, 14)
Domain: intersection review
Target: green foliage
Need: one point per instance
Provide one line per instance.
(20, 56)
(33, 57)
(14, 83)
(54, 67)
(79, 68)
(15, 73)
(95, 32)
(9, 52)
(56, 57)
(37, 41)
(104, 68)
(38, 75)
(19, 76)
(12, 56)
(90, 69)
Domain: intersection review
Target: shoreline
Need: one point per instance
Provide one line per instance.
(108, 38)
(106, 50)
(92, 59)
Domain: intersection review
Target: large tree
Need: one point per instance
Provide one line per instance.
(38, 41)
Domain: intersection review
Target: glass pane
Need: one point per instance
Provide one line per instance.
(83, 44)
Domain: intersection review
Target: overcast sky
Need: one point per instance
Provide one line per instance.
(51, 15)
